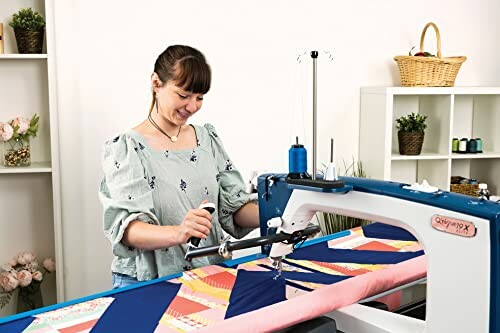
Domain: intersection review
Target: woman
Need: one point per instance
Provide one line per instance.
(157, 174)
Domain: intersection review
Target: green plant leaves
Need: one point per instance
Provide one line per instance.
(414, 122)
(27, 19)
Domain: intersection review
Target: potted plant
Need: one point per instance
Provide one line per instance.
(29, 29)
(411, 129)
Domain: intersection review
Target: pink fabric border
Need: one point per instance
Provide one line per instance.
(324, 300)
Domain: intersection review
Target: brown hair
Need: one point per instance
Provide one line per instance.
(186, 66)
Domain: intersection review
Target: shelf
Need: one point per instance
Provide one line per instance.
(423, 156)
(452, 112)
(431, 90)
(14, 56)
(437, 156)
(485, 154)
(35, 167)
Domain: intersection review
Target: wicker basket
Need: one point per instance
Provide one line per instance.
(416, 71)
(29, 41)
(410, 143)
(467, 189)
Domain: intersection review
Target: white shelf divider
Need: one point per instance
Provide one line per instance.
(422, 156)
(17, 56)
(35, 167)
(484, 154)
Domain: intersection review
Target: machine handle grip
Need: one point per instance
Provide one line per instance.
(209, 207)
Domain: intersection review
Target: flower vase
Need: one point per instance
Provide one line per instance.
(16, 152)
(30, 297)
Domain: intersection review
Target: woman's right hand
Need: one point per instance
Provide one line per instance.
(197, 223)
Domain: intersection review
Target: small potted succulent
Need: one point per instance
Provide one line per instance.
(29, 29)
(411, 130)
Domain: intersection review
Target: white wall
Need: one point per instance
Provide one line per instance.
(105, 55)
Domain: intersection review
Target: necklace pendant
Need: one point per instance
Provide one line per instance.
(173, 138)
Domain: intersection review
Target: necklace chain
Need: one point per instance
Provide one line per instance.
(172, 138)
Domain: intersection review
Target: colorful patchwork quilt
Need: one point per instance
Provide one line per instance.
(316, 279)
(212, 294)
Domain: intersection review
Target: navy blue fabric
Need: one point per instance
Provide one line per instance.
(386, 231)
(137, 310)
(16, 326)
(254, 290)
(321, 252)
(313, 277)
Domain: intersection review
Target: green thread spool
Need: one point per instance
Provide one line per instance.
(454, 145)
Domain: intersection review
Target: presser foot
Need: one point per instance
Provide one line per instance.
(278, 266)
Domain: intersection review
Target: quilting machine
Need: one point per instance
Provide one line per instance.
(460, 236)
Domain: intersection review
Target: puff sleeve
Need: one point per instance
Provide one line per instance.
(232, 193)
(125, 193)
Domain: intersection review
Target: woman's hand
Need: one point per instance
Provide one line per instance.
(197, 223)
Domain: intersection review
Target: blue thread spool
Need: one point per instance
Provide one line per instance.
(472, 146)
(297, 161)
(479, 145)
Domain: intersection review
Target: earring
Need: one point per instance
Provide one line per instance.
(156, 102)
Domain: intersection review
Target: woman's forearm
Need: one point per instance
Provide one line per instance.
(247, 216)
(146, 236)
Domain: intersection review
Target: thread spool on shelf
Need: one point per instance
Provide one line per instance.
(454, 145)
(462, 146)
(479, 145)
(472, 146)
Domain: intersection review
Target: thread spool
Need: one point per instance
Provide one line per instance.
(1, 38)
(479, 145)
(462, 146)
(297, 161)
(454, 145)
(472, 146)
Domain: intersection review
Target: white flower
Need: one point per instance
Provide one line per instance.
(25, 258)
(6, 132)
(29, 257)
(37, 276)
(49, 264)
(20, 259)
(8, 281)
(24, 278)
(22, 123)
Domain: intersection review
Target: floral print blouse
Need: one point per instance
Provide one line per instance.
(159, 187)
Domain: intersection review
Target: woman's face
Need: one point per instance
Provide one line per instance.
(176, 104)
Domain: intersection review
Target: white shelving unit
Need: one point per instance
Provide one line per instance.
(454, 112)
(30, 196)
(22, 56)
